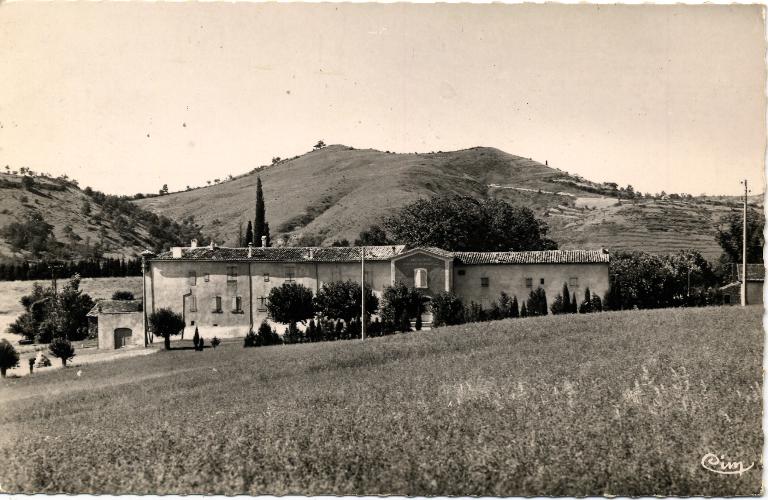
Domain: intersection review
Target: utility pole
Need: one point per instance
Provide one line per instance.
(744, 249)
(362, 293)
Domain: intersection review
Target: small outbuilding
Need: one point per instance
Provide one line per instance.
(755, 276)
(119, 323)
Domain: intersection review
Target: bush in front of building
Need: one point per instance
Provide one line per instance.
(401, 304)
(62, 348)
(251, 339)
(342, 300)
(447, 309)
(537, 303)
(164, 323)
(9, 358)
(122, 295)
(291, 303)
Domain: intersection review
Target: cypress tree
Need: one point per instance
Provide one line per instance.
(258, 222)
(566, 299)
(249, 234)
(574, 304)
(514, 310)
(266, 233)
(523, 311)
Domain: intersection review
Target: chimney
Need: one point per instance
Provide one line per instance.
(311, 253)
(176, 252)
(264, 242)
(193, 244)
(212, 245)
(250, 250)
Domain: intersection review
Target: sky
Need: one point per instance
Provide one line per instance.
(127, 96)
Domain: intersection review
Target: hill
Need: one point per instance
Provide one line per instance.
(84, 223)
(622, 403)
(337, 191)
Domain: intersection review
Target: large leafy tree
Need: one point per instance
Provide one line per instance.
(164, 322)
(62, 348)
(730, 236)
(48, 315)
(342, 300)
(463, 223)
(372, 236)
(291, 303)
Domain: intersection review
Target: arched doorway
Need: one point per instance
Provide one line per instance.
(122, 337)
(426, 314)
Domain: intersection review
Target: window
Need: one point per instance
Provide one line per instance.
(528, 282)
(368, 280)
(484, 282)
(261, 304)
(573, 282)
(192, 278)
(290, 274)
(237, 304)
(206, 277)
(266, 277)
(231, 273)
(726, 299)
(420, 278)
(217, 304)
(192, 303)
(462, 272)
(541, 281)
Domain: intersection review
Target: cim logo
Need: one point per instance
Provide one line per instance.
(719, 465)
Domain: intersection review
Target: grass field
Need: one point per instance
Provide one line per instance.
(622, 403)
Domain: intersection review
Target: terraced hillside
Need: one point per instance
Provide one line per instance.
(337, 191)
(658, 226)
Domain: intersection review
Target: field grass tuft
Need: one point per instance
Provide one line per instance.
(623, 403)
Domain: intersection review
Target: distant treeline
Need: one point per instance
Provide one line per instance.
(92, 268)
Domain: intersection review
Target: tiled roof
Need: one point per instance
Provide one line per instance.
(537, 257)
(115, 307)
(287, 254)
(385, 253)
(755, 272)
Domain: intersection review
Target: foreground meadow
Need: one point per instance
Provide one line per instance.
(622, 403)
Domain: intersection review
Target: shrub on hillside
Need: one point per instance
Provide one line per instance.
(447, 309)
(9, 358)
(122, 295)
(62, 348)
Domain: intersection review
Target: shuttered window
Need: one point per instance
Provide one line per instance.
(192, 277)
(192, 303)
(217, 304)
(237, 304)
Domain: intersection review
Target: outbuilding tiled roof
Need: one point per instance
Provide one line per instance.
(287, 254)
(115, 307)
(535, 257)
(755, 272)
(384, 253)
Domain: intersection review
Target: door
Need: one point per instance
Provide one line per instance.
(122, 337)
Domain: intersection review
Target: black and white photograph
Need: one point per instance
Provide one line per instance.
(381, 249)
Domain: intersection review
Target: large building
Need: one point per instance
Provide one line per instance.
(224, 291)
